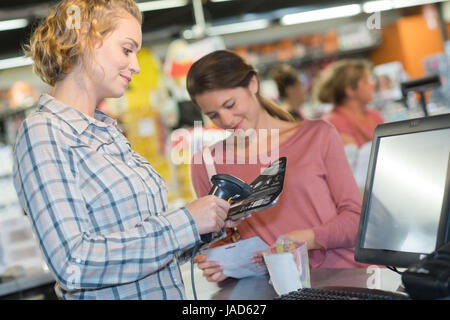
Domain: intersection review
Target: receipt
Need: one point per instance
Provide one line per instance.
(235, 258)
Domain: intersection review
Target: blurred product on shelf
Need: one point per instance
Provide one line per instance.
(18, 246)
(168, 108)
(17, 102)
(22, 95)
(439, 64)
(179, 114)
(5, 160)
(388, 77)
(394, 106)
(388, 95)
(179, 59)
(141, 120)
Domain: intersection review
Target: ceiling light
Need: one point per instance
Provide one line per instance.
(376, 6)
(15, 62)
(321, 14)
(411, 3)
(237, 27)
(13, 24)
(161, 4)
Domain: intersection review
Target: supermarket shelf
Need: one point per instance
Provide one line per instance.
(11, 113)
(265, 64)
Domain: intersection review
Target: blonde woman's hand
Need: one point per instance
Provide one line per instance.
(209, 213)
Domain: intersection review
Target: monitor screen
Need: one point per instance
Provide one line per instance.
(406, 198)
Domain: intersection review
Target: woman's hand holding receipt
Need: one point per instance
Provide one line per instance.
(212, 271)
(235, 260)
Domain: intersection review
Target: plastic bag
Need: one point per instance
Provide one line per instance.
(288, 265)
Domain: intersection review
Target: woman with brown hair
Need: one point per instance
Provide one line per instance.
(320, 203)
(98, 209)
(290, 89)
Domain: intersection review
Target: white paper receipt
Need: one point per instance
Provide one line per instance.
(235, 258)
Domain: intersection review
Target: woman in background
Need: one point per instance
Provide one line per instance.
(320, 203)
(290, 89)
(348, 85)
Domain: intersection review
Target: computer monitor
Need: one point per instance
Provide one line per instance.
(405, 212)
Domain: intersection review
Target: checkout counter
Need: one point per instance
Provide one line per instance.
(259, 287)
(33, 284)
(38, 284)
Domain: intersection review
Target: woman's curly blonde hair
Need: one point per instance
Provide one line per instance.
(55, 45)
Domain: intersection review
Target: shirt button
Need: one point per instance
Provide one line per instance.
(130, 162)
(78, 260)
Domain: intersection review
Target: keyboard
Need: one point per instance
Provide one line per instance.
(342, 293)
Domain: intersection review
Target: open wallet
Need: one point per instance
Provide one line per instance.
(267, 188)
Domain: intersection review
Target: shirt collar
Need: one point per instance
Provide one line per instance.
(76, 119)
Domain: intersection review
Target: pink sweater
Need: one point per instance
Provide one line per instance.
(319, 193)
(344, 123)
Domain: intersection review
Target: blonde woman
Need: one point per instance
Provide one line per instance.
(349, 86)
(99, 210)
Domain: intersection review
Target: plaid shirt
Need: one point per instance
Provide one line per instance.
(99, 209)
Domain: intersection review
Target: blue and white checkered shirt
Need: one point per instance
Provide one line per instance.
(99, 209)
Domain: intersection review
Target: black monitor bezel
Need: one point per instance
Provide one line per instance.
(398, 258)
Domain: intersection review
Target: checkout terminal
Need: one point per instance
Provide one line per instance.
(405, 214)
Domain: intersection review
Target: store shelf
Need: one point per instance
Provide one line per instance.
(11, 113)
(10, 121)
(34, 278)
(265, 64)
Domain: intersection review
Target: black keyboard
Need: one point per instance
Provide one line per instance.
(341, 293)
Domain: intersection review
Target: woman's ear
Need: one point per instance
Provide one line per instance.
(349, 92)
(254, 85)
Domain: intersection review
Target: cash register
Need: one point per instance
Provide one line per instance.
(405, 213)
